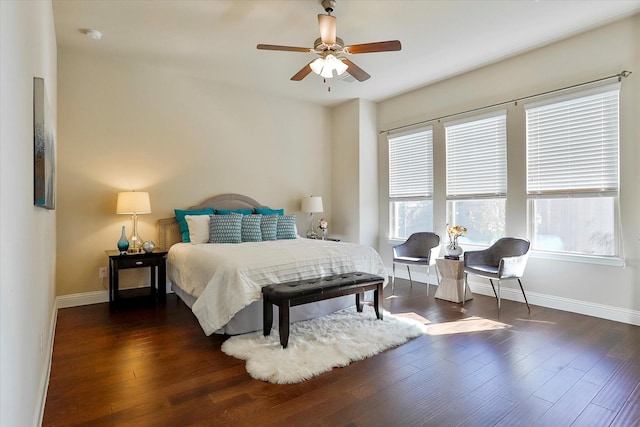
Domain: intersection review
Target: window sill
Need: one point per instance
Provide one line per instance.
(584, 259)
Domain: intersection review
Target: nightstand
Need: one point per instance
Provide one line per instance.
(156, 261)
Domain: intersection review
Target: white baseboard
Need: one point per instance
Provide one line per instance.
(602, 311)
(46, 372)
(85, 298)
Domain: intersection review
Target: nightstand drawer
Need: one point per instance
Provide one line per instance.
(137, 262)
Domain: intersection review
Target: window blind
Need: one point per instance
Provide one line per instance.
(477, 157)
(572, 144)
(411, 164)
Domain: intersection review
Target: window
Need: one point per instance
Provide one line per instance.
(572, 172)
(410, 182)
(477, 176)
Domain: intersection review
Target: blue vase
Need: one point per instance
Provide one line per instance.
(123, 243)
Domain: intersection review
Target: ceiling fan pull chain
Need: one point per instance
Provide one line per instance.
(324, 80)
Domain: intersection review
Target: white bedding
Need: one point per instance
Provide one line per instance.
(225, 278)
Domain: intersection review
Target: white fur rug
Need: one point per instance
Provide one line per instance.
(318, 345)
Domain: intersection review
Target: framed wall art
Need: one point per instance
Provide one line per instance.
(44, 149)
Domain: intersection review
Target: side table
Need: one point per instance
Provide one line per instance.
(156, 261)
(452, 284)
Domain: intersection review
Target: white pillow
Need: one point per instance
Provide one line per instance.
(198, 228)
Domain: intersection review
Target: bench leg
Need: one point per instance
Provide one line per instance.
(267, 316)
(283, 317)
(377, 301)
(359, 301)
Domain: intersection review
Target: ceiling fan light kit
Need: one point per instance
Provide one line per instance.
(332, 50)
(327, 65)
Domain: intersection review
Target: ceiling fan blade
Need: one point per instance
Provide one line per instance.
(357, 72)
(304, 72)
(327, 25)
(387, 46)
(285, 48)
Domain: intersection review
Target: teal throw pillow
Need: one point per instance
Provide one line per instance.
(184, 228)
(225, 228)
(286, 228)
(267, 211)
(251, 228)
(269, 227)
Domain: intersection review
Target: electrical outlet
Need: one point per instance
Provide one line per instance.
(102, 272)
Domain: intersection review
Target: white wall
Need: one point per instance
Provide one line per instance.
(129, 125)
(368, 174)
(27, 233)
(354, 172)
(345, 170)
(604, 290)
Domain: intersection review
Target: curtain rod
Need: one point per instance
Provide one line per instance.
(619, 76)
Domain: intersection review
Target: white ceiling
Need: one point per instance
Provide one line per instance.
(217, 39)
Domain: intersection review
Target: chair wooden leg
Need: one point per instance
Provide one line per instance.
(525, 297)
(410, 281)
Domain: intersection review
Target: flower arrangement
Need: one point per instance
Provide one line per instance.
(455, 231)
(322, 225)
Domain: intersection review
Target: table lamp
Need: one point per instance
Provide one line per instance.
(311, 204)
(134, 203)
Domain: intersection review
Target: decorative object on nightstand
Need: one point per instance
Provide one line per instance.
(322, 225)
(454, 250)
(148, 246)
(134, 203)
(311, 204)
(123, 243)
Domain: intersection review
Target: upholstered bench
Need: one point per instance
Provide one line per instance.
(290, 294)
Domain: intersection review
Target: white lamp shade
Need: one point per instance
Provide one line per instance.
(316, 66)
(340, 66)
(133, 202)
(327, 72)
(312, 204)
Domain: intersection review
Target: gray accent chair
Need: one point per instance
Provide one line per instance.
(419, 249)
(505, 259)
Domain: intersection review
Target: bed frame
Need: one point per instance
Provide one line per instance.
(169, 231)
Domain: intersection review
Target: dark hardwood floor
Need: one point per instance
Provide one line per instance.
(155, 367)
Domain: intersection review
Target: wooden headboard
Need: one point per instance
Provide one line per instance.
(169, 230)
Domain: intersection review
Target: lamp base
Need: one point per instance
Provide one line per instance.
(311, 234)
(135, 242)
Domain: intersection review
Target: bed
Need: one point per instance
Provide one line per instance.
(222, 282)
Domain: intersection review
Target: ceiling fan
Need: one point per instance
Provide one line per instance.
(331, 50)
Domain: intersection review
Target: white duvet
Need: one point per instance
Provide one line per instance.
(224, 278)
